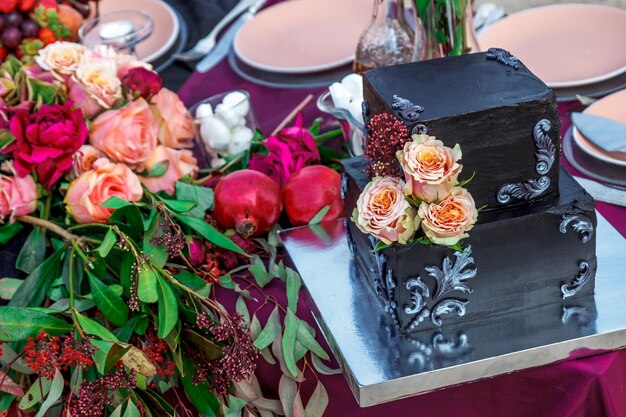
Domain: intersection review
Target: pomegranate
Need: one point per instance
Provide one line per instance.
(247, 201)
(310, 190)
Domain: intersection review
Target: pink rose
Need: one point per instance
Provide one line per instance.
(95, 87)
(290, 150)
(141, 82)
(127, 134)
(446, 222)
(181, 163)
(383, 211)
(18, 196)
(430, 168)
(84, 158)
(177, 127)
(86, 193)
(61, 58)
(46, 141)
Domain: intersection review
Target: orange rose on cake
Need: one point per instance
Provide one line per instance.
(86, 193)
(446, 222)
(430, 168)
(128, 134)
(383, 211)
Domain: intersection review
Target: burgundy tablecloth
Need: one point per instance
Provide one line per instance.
(589, 387)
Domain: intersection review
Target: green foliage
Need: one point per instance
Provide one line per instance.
(33, 290)
(18, 324)
(108, 301)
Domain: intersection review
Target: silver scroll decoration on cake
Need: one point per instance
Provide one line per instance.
(406, 110)
(503, 56)
(419, 129)
(452, 277)
(546, 155)
(384, 281)
(583, 277)
(580, 224)
(439, 350)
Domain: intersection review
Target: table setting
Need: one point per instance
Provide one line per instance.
(174, 230)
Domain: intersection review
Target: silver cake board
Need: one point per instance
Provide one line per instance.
(381, 364)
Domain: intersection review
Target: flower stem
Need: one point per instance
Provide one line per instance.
(71, 276)
(46, 207)
(293, 114)
(54, 228)
(328, 135)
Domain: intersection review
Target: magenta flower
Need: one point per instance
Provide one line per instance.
(46, 141)
(290, 150)
(141, 82)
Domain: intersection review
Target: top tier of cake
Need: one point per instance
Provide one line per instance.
(501, 114)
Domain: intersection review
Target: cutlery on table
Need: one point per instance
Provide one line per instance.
(204, 45)
(608, 134)
(223, 45)
(601, 192)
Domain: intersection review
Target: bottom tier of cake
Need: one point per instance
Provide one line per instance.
(513, 261)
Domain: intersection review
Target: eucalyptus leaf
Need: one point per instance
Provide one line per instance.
(210, 233)
(322, 368)
(289, 342)
(33, 290)
(308, 341)
(271, 330)
(108, 301)
(242, 309)
(18, 324)
(235, 405)
(147, 284)
(320, 215)
(56, 389)
(287, 391)
(261, 276)
(33, 251)
(294, 282)
(168, 308)
(94, 328)
(318, 402)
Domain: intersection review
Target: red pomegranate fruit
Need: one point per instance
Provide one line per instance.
(247, 201)
(310, 190)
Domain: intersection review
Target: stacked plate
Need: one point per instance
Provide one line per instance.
(300, 43)
(573, 48)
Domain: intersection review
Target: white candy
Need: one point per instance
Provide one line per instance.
(240, 142)
(231, 117)
(355, 109)
(354, 84)
(340, 95)
(238, 102)
(204, 110)
(215, 133)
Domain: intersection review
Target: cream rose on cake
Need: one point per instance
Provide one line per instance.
(430, 168)
(448, 221)
(383, 211)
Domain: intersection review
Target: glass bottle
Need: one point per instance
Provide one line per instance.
(387, 40)
(448, 26)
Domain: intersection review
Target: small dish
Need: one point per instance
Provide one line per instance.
(612, 107)
(565, 45)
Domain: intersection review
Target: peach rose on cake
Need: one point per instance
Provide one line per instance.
(95, 87)
(431, 169)
(18, 195)
(446, 222)
(181, 163)
(86, 193)
(177, 129)
(127, 134)
(383, 212)
(62, 59)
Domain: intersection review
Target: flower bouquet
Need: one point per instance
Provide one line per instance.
(415, 194)
(123, 254)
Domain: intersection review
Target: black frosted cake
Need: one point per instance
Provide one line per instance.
(533, 244)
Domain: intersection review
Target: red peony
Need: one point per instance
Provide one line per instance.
(290, 150)
(46, 141)
(141, 82)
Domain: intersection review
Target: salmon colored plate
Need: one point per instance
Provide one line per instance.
(300, 36)
(166, 25)
(611, 107)
(565, 45)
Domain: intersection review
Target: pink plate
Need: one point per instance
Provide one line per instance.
(166, 25)
(611, 107)
(300, 36)
(566, 45)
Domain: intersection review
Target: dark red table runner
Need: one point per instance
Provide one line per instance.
(588, 387)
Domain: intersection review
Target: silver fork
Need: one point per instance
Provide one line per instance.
(207, 43)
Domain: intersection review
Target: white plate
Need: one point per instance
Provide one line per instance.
(565, 45)
(302, 36)
(612, 107)
(166, 25)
